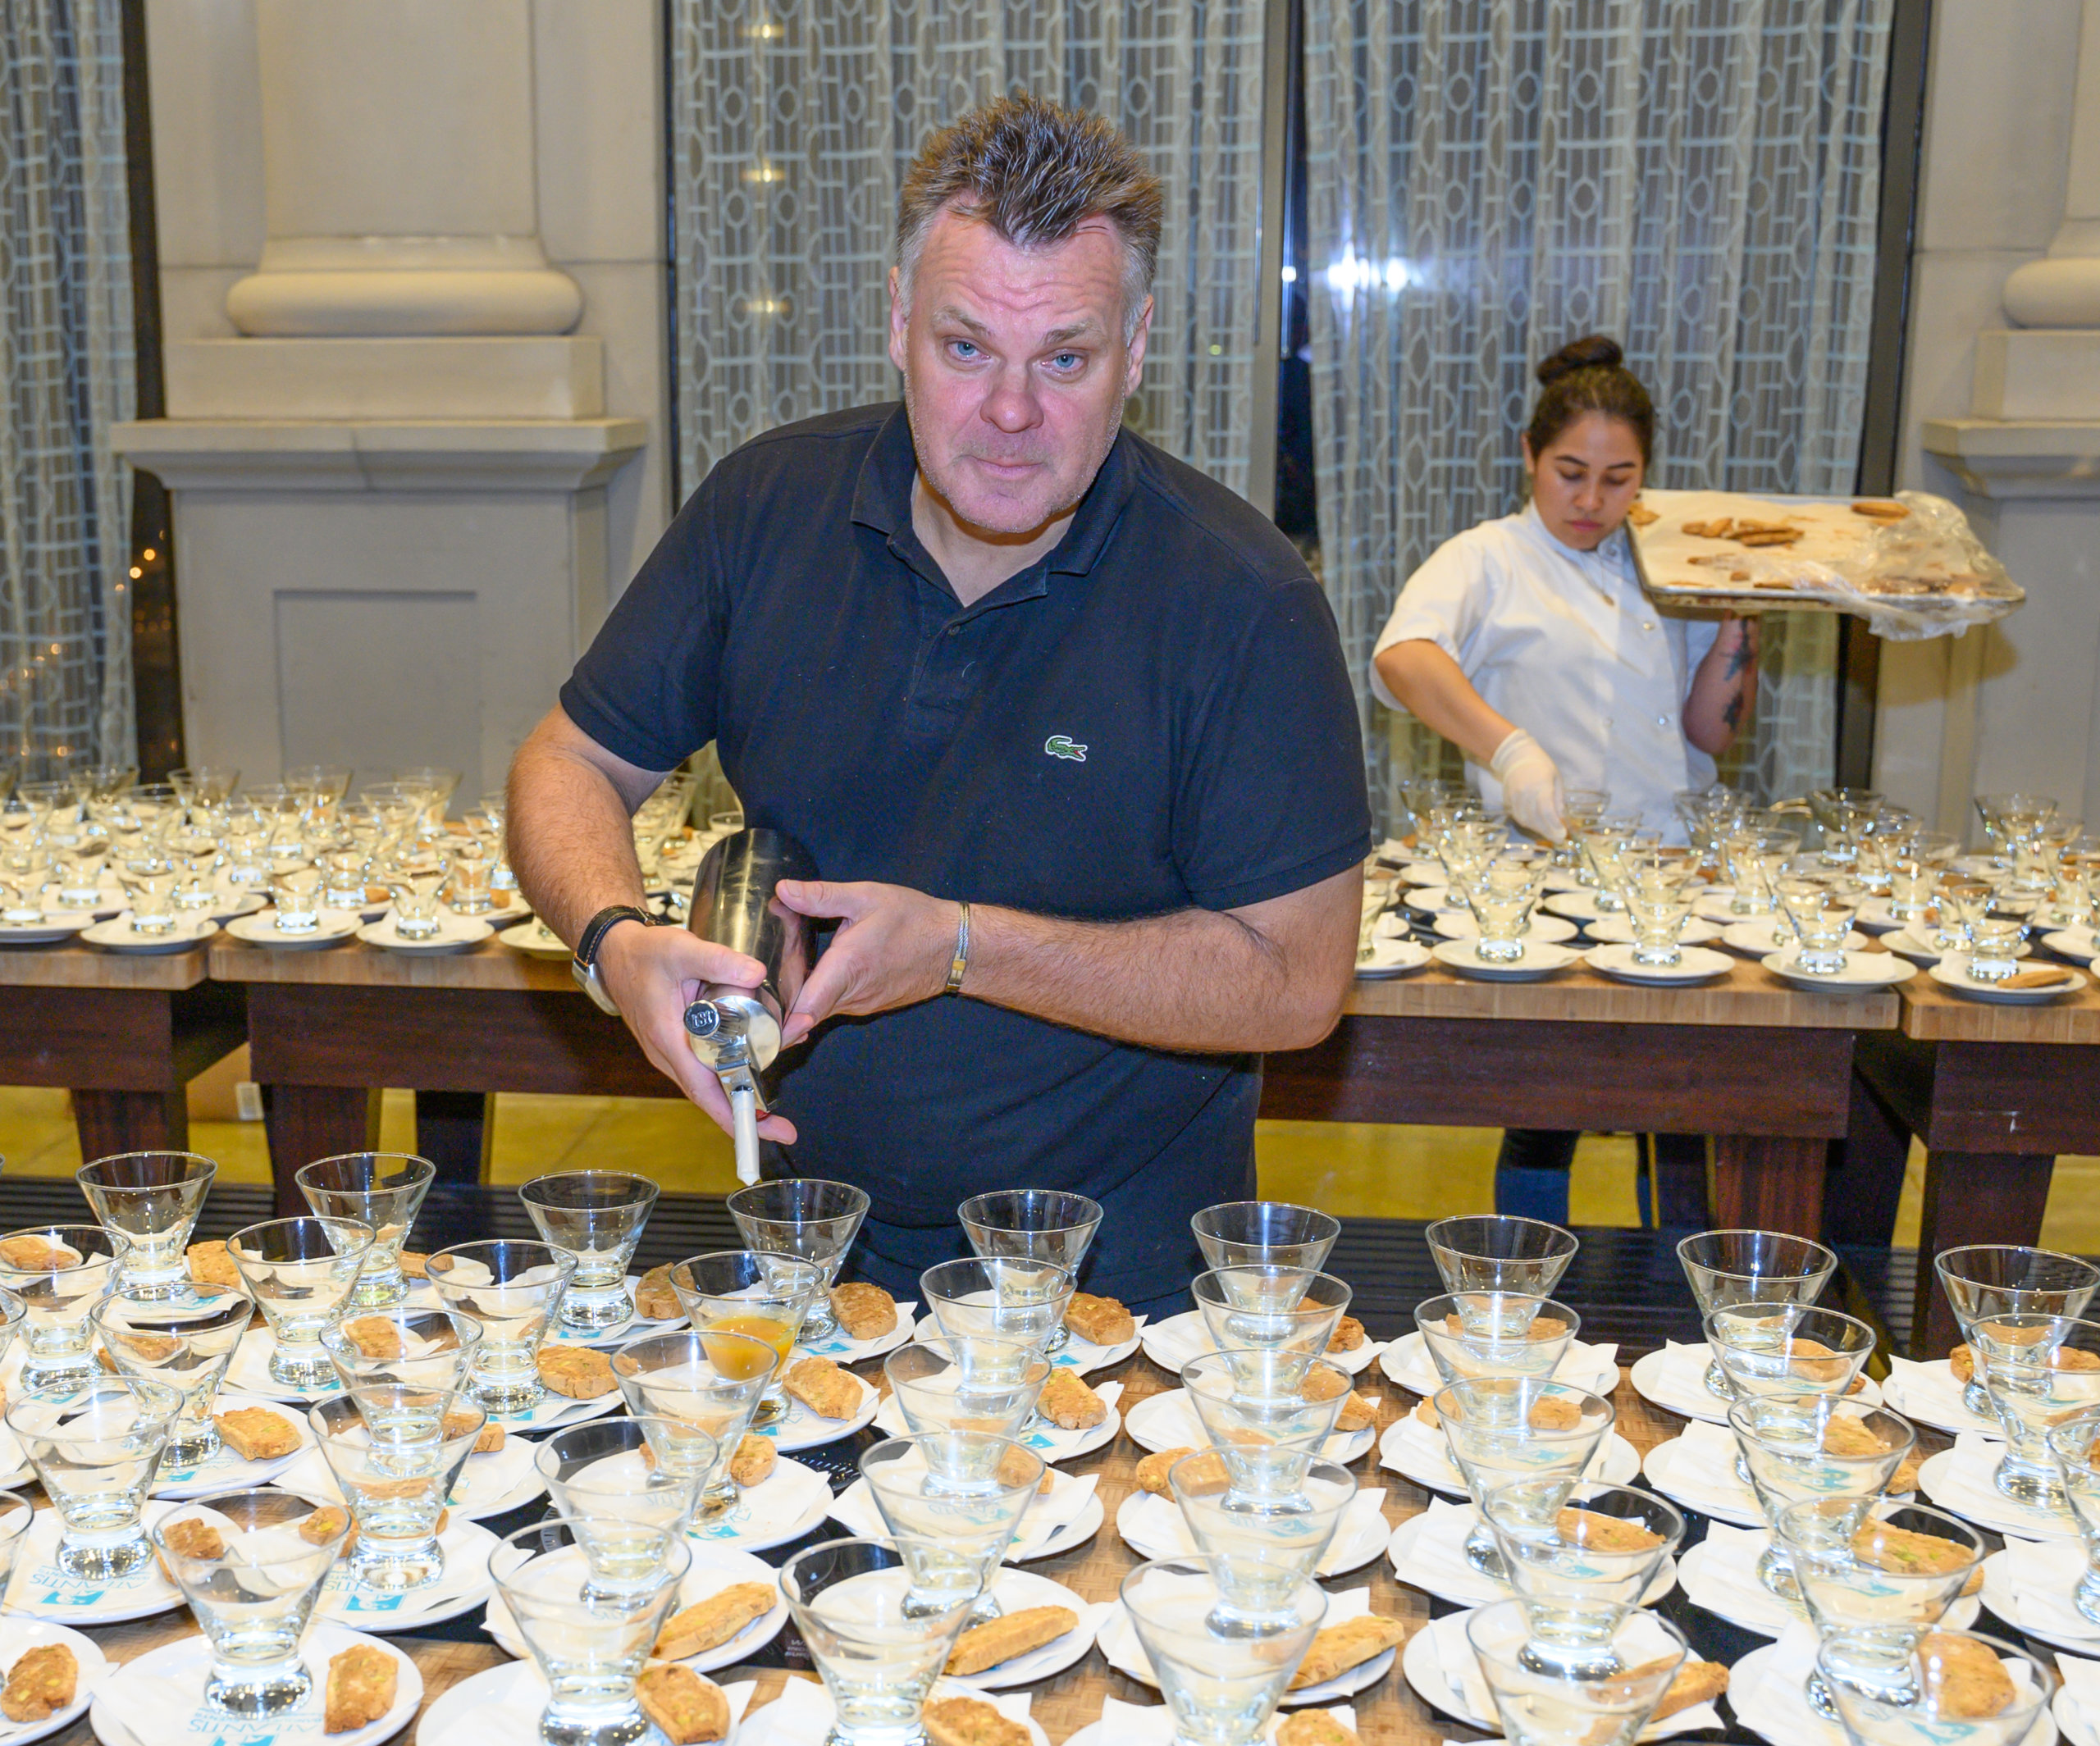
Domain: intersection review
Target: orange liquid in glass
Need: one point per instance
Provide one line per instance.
(737, 1362)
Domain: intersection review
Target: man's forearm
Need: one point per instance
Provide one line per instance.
(572, 844)
(1196, 980)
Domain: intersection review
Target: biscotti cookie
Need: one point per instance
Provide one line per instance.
(824, 1388)
(689, 1709)
(576, 1372)
(753, 1461)
(971, 1721)
(866, 1311)
(1103, 1320)
(1341, 1647)
(713, 1621)
(1014, 1634)
(1068, 1401)
(1348, 1336)
(40, 1684)
(361, 1686)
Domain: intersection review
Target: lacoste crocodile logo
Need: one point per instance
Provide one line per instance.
(1060, 745)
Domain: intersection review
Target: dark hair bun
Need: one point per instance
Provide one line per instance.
(1591, 350)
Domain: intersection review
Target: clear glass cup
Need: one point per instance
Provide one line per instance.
(300, 1272)
(966, 1383)
(20, 900)
(253, 1586)
(515, 1291)
(1283, 1307)
(96, 1449)
(431, 1349)
(808, 1218)
(416, 874)
(1042, 1224)
(1003, 1296)
(1791, 1452)
(2072, 1447)
(596, 1217)
(1727, 1268)
(607, 1468)
(1254, 1233)
(1221, 1674)
(1963, 903)
(152, 1200)
(1822, 920)
(182, 1342)
(2037, 1370)
(1257, 1403)
(1856, 1572)
(16, 1515)
(1502, 1428)
(695, 1395)
(1994, 950)
(1499, 1252)
(210, 783)
(590, 1620)
(384, 1190)
(196, 860)
(80, 867)
(58, 1273)
(1500, 895)
(344, 878)
(750, 1292)
(1545, 1699)
(473, 861)
(1264, 1543)
(296, 892)
(149, 887)
(1997, 1279)
(953, 1501)
(879, 1643)
(1472, 1335)
(1656, 910)
(12, 1316)
(396, 1453)
(1899, 1689)
(1788, 1348)
(1570, 1554)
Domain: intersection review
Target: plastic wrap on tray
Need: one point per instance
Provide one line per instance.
(1923, 573)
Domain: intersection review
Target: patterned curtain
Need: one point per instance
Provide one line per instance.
(793, 122)
(1490, 179)
(65, 376)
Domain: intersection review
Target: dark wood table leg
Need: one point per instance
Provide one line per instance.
(1971, 1197)
(1768, 1183)
(1866, 1183)
(130, 1121)
(453, 1130)
(306, 1122)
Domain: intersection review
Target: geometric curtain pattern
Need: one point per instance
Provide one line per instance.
(793, 123)
(1489, 178)
(66, 376)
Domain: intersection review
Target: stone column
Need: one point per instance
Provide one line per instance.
(390, 479)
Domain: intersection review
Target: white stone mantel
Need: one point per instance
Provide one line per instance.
(2018, 458)
(292, 454)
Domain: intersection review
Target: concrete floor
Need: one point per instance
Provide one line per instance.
(1389, 1172)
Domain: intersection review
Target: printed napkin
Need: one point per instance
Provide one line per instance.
(1776, 1704)
(1155, 1527)
(2081, 1680)
(1436, 1559)
(1121, 1648)
(802, 1714)
(2044, 1574)
(1079, 1351)
(1423, 1449)
(1968, 1486)
(1152, 1724)
(1724, 1581)
(1930, 1393)
(1702, 1470)
(1061, 1506)
(1684, 1374)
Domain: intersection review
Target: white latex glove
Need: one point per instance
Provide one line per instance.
(1531, 785)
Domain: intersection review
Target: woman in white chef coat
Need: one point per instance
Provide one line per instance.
(1529, 643)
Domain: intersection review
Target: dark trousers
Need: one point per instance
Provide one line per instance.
(1530, 1176)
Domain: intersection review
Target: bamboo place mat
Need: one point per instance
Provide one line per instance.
(1388, 1711)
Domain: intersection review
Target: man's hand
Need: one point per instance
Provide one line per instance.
(653, 974)
(892, 950)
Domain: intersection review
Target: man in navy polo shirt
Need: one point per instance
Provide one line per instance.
(1064, 724)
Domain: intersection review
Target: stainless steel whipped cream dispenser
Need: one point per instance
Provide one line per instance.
(736, 1031)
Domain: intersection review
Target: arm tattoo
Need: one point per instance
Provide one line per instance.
(1740, 657)
(1733, 715)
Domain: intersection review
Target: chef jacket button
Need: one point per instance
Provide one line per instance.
(1648, 624)
(1662, 721)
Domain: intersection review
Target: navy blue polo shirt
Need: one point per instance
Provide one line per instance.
(1153, 717)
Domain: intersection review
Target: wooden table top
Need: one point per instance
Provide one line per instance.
(1388, 1712)
(1934, 1014)
(73, 965)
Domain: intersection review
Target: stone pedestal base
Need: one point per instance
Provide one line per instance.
(382, 594)
(2037, 373)
(511, 377)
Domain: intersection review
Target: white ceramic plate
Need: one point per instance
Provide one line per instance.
(1761, 938)
(1920, 952)
(186, 1662)
(1175, 1340)
(1696, 964)
(1551, 930)
(116, 935)
(226, 1471)
(1166, 1420)
(1016, 1591)
(1952, 972)
(1407, 1361)
(855, 1509)
(794, 1500)
(840, 1347)
(262, 929)
(1153, 1527)
(1615, 930)
(2074, 943)
(1998, 1595)
(1580, 906)
(1118, 1639)
(1616, 1462)
(1483, 1591)
(1658, 1464)
(455, 933)
(40, 1589)
(1540, 960)
(464, 1585)
(56, 926)
(1392, 957)
(1862, 970)
(17, 1638)
(1648, 1375)
(534, 939)
(803, 1429)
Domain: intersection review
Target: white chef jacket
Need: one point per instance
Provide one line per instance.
(1564, 643)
